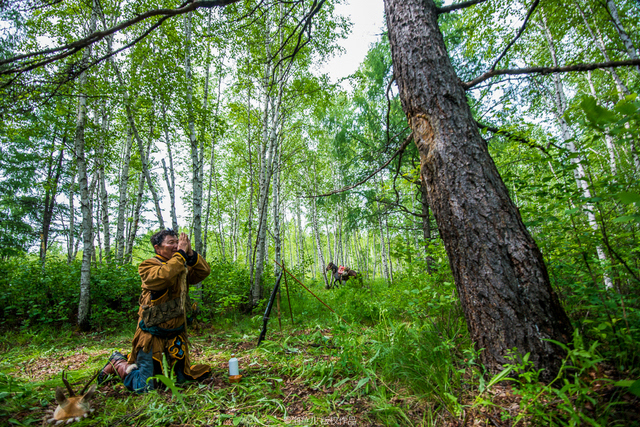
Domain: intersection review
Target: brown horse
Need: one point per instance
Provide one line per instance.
(338, 276)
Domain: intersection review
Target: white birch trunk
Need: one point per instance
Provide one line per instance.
(87, 222)
(123, 198)
(626, 40)
(104, 196)
(197, 148)
(599, 42)
(72, 216)
(316, 235)
(169, 173)
(613, 164)
(579, 172)
(276, 215)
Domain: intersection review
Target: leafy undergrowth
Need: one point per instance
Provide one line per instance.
(392, 373)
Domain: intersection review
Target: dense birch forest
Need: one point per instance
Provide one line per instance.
(479, 170)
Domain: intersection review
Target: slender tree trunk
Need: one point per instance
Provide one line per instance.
(267, 152)
(104, 196)
(383, 248)
(50, 202)
(597, 39)
(249, 258)
(72, 216)
(81, 162)
(613, 164)
(123, 198)
(170, 178)
(276, 215)
(579, 172)
(426, 226)
(331, 257)
(145, 165)
(213, 141)
(197, 148)
(499, 271)
(134, 130)
(316, 235)
(626, 40)
(133, 229)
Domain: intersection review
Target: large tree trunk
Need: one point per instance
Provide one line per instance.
(87, 222)
(499, 271)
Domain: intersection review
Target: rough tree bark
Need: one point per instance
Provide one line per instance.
(500, 274)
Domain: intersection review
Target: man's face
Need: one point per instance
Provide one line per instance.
(168, 247)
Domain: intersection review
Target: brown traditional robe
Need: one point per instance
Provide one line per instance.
(161, 282)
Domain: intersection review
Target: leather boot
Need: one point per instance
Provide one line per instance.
(117, 364)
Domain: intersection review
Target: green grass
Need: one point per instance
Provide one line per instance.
(404, 358)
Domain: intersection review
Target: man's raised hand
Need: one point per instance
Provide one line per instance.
(185, 244)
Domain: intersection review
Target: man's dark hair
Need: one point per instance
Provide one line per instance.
(158, 238)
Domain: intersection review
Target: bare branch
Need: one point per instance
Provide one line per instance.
(524, 25)
(403, 147)
(306, 28)
(551, 70)
(400, 207)
(458, 6)
(515, 137)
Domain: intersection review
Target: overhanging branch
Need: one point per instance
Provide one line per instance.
(69, 49)
(515, 137)
(458, 6)
(551, 70)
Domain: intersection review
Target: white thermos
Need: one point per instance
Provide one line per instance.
(233, 366)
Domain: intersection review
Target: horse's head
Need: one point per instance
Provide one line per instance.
(330, 266)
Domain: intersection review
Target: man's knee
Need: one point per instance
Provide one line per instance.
(138, 379)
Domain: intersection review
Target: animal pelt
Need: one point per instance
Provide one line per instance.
(72, 408)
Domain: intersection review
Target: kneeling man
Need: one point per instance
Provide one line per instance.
(164, 304)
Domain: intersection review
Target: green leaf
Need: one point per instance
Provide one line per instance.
(628, 198)
(634, 386)
(626, 108)
(627, 218)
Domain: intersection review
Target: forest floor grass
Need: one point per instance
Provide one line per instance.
(292, 383)
(309, 374)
